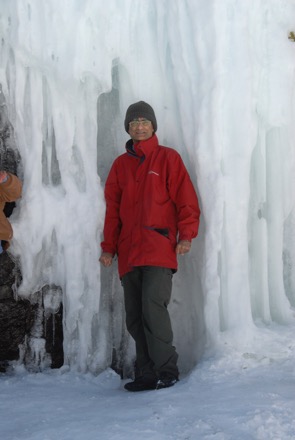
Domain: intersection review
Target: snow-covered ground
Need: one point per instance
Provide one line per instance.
(220, 77)
(237, 396)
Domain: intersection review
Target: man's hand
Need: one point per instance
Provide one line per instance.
(183, 247)
(106, 259)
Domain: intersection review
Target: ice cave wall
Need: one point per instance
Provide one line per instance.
(220, 76)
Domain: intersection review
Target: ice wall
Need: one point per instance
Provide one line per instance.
(220, 76)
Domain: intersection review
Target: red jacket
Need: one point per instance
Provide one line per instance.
(150, 205)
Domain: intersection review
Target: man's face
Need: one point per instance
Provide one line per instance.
(140, 129)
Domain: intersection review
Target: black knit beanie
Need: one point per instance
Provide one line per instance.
(140, 110)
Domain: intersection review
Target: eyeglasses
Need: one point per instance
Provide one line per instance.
(136, 123)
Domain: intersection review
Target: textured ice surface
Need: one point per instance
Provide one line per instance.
(220, 76)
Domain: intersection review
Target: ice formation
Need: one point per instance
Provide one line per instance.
(220, 76)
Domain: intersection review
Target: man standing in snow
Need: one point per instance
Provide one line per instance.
(152, 214)
(10, 190)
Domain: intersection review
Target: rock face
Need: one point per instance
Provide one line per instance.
(43, 346)
(16, 316)
(30, 329)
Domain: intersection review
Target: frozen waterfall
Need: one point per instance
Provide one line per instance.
(220, 76)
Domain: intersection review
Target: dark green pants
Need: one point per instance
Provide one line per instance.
(147, 292)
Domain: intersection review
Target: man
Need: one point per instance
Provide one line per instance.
(10, 190)
(152, 214)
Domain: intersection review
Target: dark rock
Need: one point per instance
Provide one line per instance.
(16, 315)
(16, 319)
(54, 337)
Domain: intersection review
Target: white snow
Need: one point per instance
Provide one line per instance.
(236, 395)
(220, 76)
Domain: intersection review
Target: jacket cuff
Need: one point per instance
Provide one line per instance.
(184, 238)
(108, 250)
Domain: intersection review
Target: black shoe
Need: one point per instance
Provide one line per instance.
(141, 384)
(166, 380)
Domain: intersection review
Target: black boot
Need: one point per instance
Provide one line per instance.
(166, 380)
(142, 383)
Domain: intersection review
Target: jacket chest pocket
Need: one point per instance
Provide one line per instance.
(156, 189)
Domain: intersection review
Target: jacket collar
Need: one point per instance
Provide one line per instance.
(142, 148)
